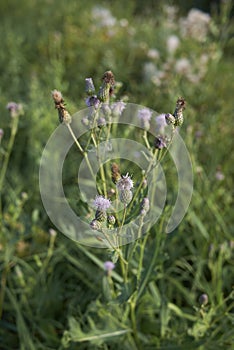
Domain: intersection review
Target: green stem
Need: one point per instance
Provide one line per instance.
(134, 324)
(146, 140)
(143, 178)
(152, 263)
(81, 150)
(3, 287)
(14, 129)
(117, 250)
(140, 265)
(102, 173)
(123, 218)
(75, 139)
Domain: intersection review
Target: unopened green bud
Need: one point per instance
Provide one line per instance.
(125, 196)
(100, 215)
(107, 87)
(170, 119)
(111, 219)
(95, 225)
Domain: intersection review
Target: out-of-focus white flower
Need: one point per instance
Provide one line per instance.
(153, 54)
(103, 17)
(170, 14)
(161, 123)
(219, 175)
(183, 66)
(195, 25)
(173, 43)
(152, 74)
(123, 22)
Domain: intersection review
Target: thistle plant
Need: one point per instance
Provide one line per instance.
(122, 195)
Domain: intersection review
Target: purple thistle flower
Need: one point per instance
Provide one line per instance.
(219, 175)
(106, 109)
(89, 86)
(57, 96)
(101, 203)
(101, 121)
(109, 266)
(203, 299)
(125, 183)
(144, 115)
(92, 101)
(14, 108)
(160, 142)
(160, 123)
(117, 108)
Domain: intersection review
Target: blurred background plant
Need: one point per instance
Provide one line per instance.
(57, 294)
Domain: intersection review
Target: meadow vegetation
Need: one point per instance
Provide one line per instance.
(175, 290)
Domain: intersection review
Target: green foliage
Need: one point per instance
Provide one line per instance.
(55, 294)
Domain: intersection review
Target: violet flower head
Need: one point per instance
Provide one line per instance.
(101, 203)
(57, 96)
(101, 122)
(92, 101)
(118, 108)
(144, 115)
(203, 299)
(14, 108)
(160, 123)
(109, 266)
(219, 175)
(89, 86)
(161, 142)
(125, 183)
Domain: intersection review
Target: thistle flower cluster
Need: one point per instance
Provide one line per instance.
(64, 116)
(124, 186)
(101, 204)
(104, 93)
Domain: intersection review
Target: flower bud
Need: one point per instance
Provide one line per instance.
(170, 119)
(95, 225)
(145, 206)
(107, 87)
(67, 119)
(111, 219)
(100, 215)
(125, 196)
(161, 142)
(115, 173)
(89, 86)
(203, 299)
(178, 114)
